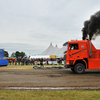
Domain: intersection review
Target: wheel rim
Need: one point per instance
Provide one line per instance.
(79, 69)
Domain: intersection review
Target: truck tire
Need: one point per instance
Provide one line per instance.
(79, 68)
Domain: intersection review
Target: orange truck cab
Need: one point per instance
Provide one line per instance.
(81, 55)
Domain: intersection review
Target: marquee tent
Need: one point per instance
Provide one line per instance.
(40, 56)
(51, 50)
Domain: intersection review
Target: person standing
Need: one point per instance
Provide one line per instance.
(41, 62)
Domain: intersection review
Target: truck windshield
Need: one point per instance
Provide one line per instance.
(65, 49)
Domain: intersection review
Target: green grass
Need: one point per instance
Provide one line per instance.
(30, 66)
(37, 65)
(49, 95)
(26, 66)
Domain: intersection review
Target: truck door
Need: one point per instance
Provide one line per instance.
(73, 51)
(83, 50)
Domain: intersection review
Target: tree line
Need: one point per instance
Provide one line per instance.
(16, 54)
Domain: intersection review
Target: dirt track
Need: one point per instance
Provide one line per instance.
(48, 78)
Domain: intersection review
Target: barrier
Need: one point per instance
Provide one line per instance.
(3, 62)
(50, 62)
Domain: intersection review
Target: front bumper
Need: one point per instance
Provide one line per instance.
(68, 66)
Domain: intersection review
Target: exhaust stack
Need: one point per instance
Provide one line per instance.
(90, 51)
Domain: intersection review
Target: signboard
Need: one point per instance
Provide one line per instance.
(52, 56)
(1, 53)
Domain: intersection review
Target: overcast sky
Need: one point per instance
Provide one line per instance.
(31, 25)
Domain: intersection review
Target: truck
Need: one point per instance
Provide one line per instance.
(81, 55)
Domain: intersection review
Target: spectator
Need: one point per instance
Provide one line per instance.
(41, 62)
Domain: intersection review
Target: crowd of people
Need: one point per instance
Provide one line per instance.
(34, 61)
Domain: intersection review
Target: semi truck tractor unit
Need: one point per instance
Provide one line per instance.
(81, 55)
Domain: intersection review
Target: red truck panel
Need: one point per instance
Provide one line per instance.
(94, 64)
(94, 61)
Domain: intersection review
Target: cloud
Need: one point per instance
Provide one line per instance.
(28, 49)
(36, 23)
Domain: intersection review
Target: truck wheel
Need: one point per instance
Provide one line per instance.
(79, 68)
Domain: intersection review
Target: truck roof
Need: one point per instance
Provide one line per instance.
(76, 41)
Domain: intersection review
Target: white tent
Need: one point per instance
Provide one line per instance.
(51, 50)
(40, 56)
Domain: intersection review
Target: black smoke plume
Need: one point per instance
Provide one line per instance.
(91, 27)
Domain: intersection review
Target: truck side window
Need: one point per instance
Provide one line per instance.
(74, 47)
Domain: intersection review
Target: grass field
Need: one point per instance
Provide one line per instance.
(49, 95)
(26, 66)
